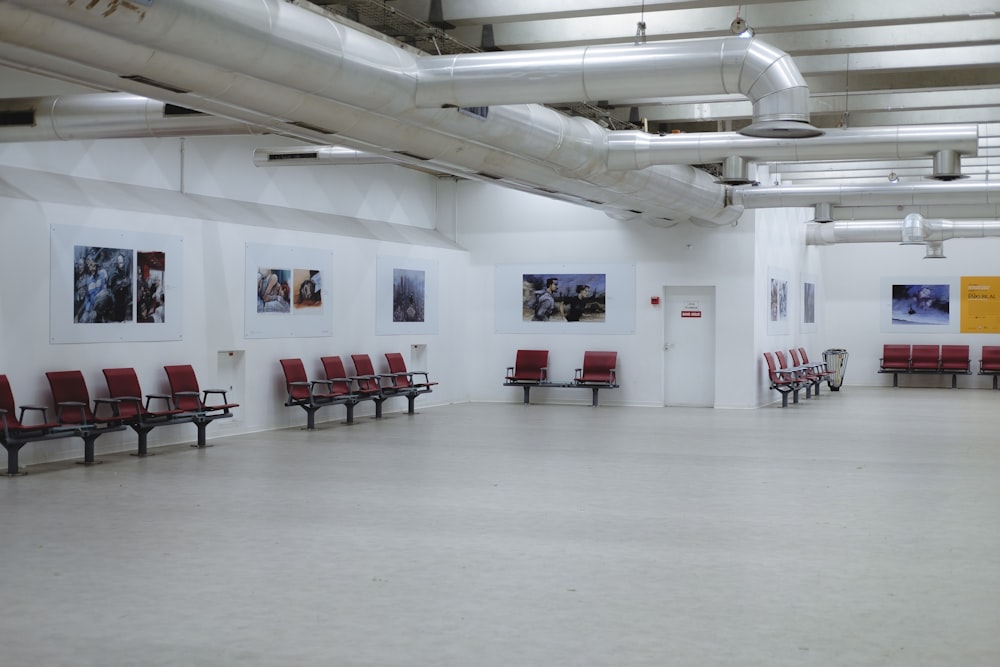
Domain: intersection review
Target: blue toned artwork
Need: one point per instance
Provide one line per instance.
(921, 304)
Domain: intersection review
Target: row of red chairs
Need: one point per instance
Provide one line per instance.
(77, 416)
(339, 388)
(531, 369)
(790, 374)
(943, 359)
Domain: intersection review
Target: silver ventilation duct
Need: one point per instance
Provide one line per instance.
(914, 229)
(279, 66)
(106, 116)
(122, 115)
(637, 150)
(299, 74)
(917, 194)
(757, 70)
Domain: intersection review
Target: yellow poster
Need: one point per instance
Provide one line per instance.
(980, 304)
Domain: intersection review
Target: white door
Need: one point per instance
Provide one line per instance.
(689, 346)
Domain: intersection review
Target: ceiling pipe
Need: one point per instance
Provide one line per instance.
(759, 71)
(317, 79)
(915, 194)
(914, 229)
(106, 116)
(122, 115)
(638, 150)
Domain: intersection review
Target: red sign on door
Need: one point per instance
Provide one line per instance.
(690, 313)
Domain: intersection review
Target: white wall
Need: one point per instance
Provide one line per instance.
(500, 226)
(227, 203)
(781, 249)
(853, 277)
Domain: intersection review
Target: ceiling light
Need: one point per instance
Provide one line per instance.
(893, 178)
(741, 28)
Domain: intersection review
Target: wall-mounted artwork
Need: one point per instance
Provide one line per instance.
(110, 286)
(409, 295)
(284, 292)
(406, 300)
(980, 304)
(778, 300)
(809, 321)
(565, 298)
(919, 305)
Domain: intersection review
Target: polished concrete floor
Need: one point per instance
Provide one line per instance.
(859, 528)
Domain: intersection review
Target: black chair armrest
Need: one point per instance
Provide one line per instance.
(113, 403)
(38, 408)
(159, 397)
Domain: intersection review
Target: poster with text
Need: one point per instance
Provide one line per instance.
(980, 304)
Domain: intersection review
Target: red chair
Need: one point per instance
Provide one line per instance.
(817, 372)
(123, 385)
(189, 398)
(403, 382)
(800, 373)
(925, 359)
(368, 383)
(73, 409)
(989, 362)
(15, 434)
(529, 366)
(599, 370)
(955, 360)
(311, 395)
(819, 367)
(782, 382)
(895, 359)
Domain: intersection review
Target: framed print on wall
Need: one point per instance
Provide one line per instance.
(114, 286)
(286, 292)
(808, 323)
(406, 299)
(919, 305)
(778, 300)
(565, 298)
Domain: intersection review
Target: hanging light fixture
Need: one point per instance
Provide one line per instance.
(740, 27)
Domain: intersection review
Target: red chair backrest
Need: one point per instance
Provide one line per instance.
(796, 359)
(70, 387)
(363, 366)
(528, 364)
(782, 359)
(335, 371)
(398, 365)
(295, 371)
(183, 379)
(7, 401)
(955, 357)
(772, 366)
(895, 356)
(991, 357)
(925, 357)
(124, 382)
(598, 366)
